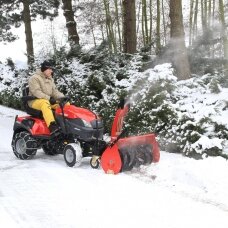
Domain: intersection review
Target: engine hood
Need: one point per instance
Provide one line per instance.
(73, 112)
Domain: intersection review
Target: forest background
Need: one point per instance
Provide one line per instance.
(107, 50)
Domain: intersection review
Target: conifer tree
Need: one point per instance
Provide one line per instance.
(18, 12)
(5, 28)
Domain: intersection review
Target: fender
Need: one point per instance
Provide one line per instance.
(33, 125)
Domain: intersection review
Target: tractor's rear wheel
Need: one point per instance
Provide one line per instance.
(73, 154)
(24, 145)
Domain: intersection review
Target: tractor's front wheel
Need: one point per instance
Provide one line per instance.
(24, 145)
(73, 154)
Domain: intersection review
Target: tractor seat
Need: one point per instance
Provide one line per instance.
(25, 98)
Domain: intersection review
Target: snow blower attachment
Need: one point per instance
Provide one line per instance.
(123, 154)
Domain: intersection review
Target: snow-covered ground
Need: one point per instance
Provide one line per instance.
(43, 192)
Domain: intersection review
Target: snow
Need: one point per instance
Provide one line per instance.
(43, 192)
(207, 143)
(174, 193)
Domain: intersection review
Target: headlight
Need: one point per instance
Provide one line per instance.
(87, 124)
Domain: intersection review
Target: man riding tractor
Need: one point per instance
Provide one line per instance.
(42, 86)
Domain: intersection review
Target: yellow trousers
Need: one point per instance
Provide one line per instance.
(46, 108)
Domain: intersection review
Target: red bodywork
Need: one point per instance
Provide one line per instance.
(110, 159)
(70, 111)
(73, 112)
(39, 127)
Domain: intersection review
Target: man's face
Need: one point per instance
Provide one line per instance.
(48, 73)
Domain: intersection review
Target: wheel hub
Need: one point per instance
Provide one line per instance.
(69, 155)
(21, 146)
(73, 154)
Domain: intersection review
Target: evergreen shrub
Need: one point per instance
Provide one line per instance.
(97, 80)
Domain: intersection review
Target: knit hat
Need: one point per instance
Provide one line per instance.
(46, 65)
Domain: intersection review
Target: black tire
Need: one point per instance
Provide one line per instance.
(24, 145)
(96, 164)
(49, 149)
(72, 154)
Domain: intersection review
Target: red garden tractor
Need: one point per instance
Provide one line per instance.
(81, 135)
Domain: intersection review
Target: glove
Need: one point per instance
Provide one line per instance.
(64, 99)
(52, 100)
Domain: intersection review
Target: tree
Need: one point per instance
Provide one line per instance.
(5, 27)
(26, 17)
(164, 21)
(224, 34)
(70, 22)
(129, 26)
(191, 21)
(118, 23)
(158, 38)
(177, 41)
(195, 26)
(109, 27)
(16, 12)
(144, 23)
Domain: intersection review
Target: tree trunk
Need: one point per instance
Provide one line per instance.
(224, 34)
(138, 18)
(195, 27)
(118, 23)
(151, 20)
(177, 42)
(213, 23)
(191, 21)
(144, 17)
(143, 29)
(109, 27)
(129, 26)
(28, 32)
(164, 22)
(204, 15)
(209, 14)
(70, 22)
(158, 39)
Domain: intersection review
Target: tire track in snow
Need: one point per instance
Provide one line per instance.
(10, 167)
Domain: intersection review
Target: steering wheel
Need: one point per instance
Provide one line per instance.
(63, 101)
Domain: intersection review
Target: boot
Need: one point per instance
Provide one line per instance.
(54, 128)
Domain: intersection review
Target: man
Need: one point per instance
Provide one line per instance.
(42, 86)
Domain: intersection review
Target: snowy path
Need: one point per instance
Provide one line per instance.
(178, 192)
